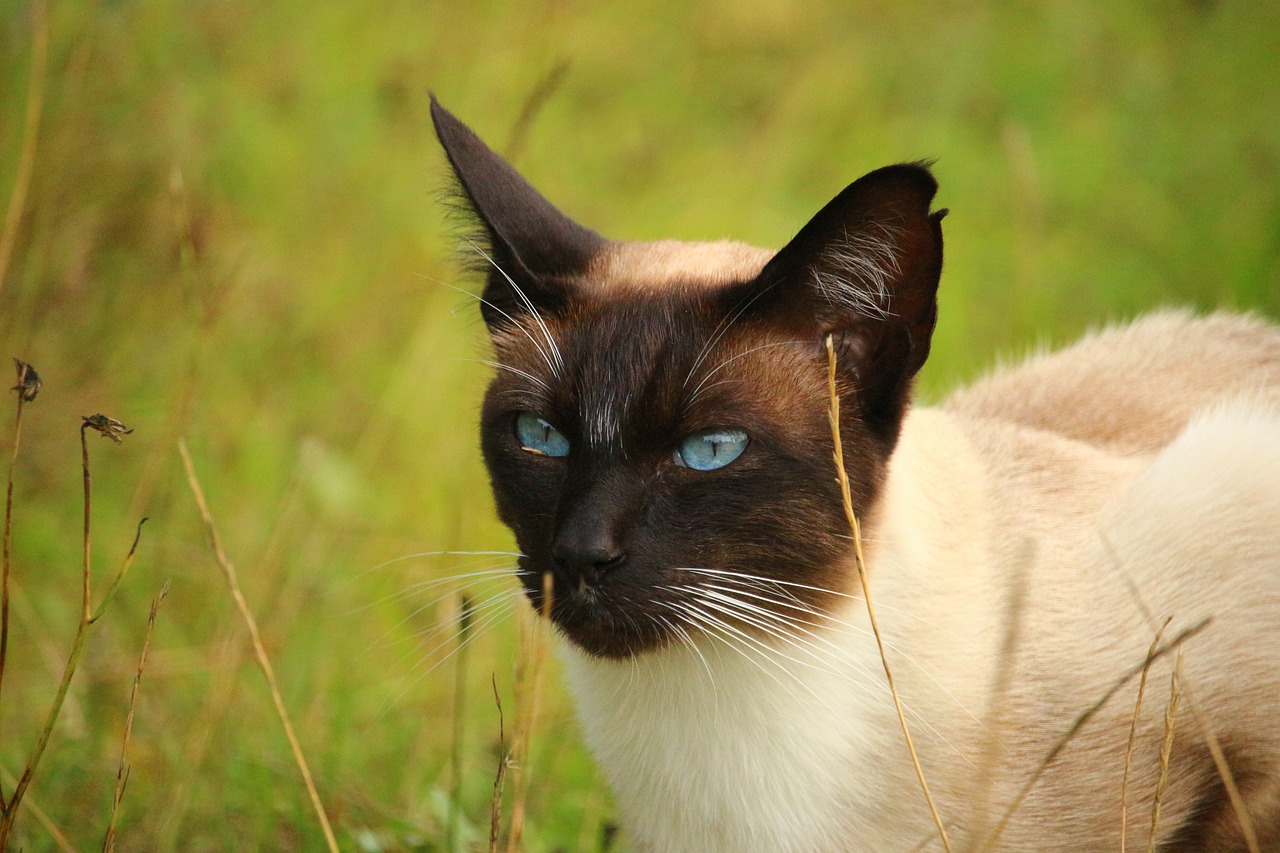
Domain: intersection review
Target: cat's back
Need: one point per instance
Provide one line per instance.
(1131, 389)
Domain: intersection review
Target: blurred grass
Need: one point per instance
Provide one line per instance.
(233, 234)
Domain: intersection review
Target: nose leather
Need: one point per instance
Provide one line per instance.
(585, 550)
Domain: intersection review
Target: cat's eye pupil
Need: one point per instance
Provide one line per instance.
(537, 435)
(711, 449)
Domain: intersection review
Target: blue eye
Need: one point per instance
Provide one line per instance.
(537, 436)
(711, 449)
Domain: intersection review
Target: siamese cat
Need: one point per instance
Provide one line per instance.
(1039, 546)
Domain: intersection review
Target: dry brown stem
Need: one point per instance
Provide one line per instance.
(866, 588)
(1080, 722)
(1202, 722)
(30, 133)
(499, 779)
(259, 650)
(1133, 731)
(122, 772)
(530, 684)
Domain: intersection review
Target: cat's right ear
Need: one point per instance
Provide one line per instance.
(865, 271)
(532, 252)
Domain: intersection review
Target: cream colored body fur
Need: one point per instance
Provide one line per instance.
(1035, 533)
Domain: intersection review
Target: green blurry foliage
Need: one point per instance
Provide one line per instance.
(234, 234)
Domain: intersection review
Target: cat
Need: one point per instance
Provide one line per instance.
(658, 439)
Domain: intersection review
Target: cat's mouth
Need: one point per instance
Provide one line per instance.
(596, 618)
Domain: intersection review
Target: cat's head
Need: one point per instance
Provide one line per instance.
(657, 431)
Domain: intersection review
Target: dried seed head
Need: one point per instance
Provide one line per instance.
(28, 381)
(109, 427)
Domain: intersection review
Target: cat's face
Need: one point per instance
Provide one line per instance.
(657, 432)
(666, 439)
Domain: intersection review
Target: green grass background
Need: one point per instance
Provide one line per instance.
(234, 234)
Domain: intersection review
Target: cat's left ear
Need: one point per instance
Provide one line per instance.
(531, 250)
(865, 270)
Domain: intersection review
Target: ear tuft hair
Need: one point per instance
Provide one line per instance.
(865, 269)
(528, 248)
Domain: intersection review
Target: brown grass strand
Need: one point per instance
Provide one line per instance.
(259, 650)
(538, 97)
(499, 779)
(1206, 728)
(866, 588)
(122, 771)
(1166, 749)
(530, 684)
(1133, 732)
(1224, 771)
(30, 134)
(1080, 722)
(42, 817)
(10, 809)
(459, 722)
(8, 537)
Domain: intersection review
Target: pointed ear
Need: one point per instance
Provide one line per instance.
(865, 269)
(532, 249)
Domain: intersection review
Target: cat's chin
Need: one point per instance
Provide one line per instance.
(598, 641)
(601, 629)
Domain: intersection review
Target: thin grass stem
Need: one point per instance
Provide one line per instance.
(10, 809)
(259, 650)
(1206, 728)
(30, 134)
(459, 721)
(1133, 731)
(499, 779)
(122, 772)
(866, 587)
(1080, 722)
(1166, 749)
(526, 721)
(8, 528)
(42, 817)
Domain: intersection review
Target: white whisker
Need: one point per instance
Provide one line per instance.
(698, 388)
(476, 629)
(558, 366)
(526, 374)
(832, 658)
(722, 329)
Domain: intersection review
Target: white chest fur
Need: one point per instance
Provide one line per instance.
(740, 749)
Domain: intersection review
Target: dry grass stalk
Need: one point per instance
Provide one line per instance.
(1224, 772)
(1133, 731)
(1166, 748)
(1206, 729)
(122, 772)
(42, 817)
(499, 779)
(465, 609)
(10, 809)
(866, 589)
(259, 650)
(529, 682)
(28, 387)
(30, 133)
(1080, 723)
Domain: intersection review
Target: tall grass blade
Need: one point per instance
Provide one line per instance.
(1133, 732)
(259, 650)
(122, 772)
(866, 588)
(1166, 748)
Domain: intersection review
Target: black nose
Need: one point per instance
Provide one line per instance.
(586, 555)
